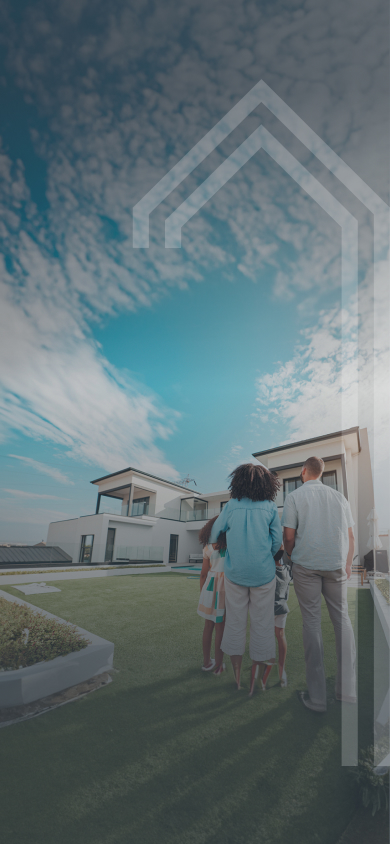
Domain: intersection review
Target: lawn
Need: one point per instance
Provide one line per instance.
(169, 754)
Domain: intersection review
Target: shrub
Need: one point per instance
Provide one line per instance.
(27, 637)
(373, 789)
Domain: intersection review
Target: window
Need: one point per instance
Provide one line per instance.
(173, 545)
(86, 549)
(222, 506)
(289, 484)
(110, 545)
(140, 506)
(327, 478)
(330, 479)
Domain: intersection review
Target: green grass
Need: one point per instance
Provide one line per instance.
(172, 755)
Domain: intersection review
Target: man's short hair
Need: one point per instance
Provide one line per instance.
(315, 466)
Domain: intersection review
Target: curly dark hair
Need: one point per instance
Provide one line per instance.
(205, 533)
(253, 481)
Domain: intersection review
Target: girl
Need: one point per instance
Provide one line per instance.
(212, 597)
(283, 580)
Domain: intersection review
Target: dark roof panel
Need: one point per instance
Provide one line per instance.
(25, 554)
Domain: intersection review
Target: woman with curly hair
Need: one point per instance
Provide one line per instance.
(211, 605)
(253, 537)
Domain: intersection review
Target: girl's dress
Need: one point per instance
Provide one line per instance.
(212, 597)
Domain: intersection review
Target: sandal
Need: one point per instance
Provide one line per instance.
(209, 667)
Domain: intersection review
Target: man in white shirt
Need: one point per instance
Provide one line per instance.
(318, 535)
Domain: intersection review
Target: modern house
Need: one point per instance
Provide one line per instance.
(140, 517)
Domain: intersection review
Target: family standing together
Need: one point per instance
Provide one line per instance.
(244, 573)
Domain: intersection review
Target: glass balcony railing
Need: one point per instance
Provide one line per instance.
(189, 515)
(139, 553)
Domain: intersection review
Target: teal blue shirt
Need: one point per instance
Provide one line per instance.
(253, 536)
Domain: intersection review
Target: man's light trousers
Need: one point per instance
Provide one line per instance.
(309, 585)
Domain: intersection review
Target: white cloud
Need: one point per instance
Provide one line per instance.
(52, 471)
(113, 128)
(326, 387)
(234, 457)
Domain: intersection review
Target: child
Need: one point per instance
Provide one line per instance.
(283, 579)
(212, 597)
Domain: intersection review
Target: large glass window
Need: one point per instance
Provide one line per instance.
(140, 506)
(86, 548)
(289, 484)
(222, 505)
(330, 479)
(110, 545)
(327, 478)
(173, 546)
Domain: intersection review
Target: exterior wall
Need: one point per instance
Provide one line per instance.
(298, 454)
(214, 501)
(384, 538)
(129, 532)
(365, 493)
(67, 534)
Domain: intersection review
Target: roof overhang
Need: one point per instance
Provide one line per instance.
(350, 439)
(145, 475)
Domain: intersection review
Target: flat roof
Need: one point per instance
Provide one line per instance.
(312, 440)
(147, 475)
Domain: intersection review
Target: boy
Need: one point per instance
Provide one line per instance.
(283, 580)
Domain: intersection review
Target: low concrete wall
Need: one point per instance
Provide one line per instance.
(25, 685)
(382, 608)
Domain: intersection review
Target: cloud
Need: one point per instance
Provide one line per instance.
(337, 378)
(118, 99)
(44, 468)
(234, 457)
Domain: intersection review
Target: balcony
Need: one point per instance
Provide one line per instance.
(198, 515)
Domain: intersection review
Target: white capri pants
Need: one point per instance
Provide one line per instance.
(259, 602)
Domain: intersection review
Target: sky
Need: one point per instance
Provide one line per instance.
(184, 360)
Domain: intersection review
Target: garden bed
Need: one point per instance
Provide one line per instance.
(384, 588)
(28, 637)
(91, 655)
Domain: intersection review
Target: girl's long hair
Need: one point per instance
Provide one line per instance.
(254, 482)
(205, 533)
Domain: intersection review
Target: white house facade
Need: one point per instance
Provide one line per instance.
(138, 518)
(143, 518)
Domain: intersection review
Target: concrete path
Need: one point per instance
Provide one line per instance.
(52, 574)
(14, 578)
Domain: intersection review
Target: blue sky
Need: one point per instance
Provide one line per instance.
(178, 360)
